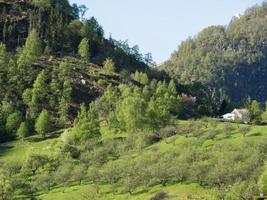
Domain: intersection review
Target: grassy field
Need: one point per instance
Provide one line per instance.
(176, 192)
(18, 150)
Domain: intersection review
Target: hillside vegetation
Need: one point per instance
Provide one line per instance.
(230, 61)
(85, 117)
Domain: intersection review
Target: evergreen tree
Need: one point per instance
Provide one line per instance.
(84, 49)
(23, 130)
(43, 123)
(109, 65)
(87, 124)
(39, 94)
(13, 122)
(64, 105)
(32, 49)
(3, 70)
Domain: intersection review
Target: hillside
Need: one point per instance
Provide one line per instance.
(86, 117)
(200, 168)
(230, 61)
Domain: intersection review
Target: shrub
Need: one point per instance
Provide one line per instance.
(160, 196)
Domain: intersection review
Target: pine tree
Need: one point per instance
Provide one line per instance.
(87, 124)
(109, 65)
(13, 122)
(3, 70)
(84, 49)
(64, 104)
(32, 49)
(43, 123)
(39, 94)
(23, 130)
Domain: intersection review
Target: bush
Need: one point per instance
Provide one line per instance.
(160, 196)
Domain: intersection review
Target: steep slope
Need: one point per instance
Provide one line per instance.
(231, 61)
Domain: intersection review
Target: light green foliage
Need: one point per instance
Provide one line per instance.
(255, 110)
(109, 65)
(86, 125)
(32, 49)
(64, 104)
(140, 77)
(6, 189)
(41, 3)
(84, 49)
(130, 111)
(43, 123)
(23, 130)
(3, 69)
(263, 182)
(39, 94)
(13, 122)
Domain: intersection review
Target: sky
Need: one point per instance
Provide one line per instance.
(159, 26)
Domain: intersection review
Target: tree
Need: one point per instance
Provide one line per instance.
(32, 49)
(13, 122)
(255, 110)
(86, 125)
(43, 123)
(84, 49)
(109, 65)
(79, 173)
(23, 130)
(64, 104)
(244, 130)
(130, 110)
(39, 94)
(3, 69)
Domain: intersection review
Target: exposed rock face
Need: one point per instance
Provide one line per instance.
(14, 22)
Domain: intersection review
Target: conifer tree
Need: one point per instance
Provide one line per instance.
(43, 123)
(3, 69)
(39, 94)
(64, 104)
(13, 122)
(86, 125)
(84, 49)
(23, 130)
(109, 65)
(32, 49)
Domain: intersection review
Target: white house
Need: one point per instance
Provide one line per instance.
(241, 115)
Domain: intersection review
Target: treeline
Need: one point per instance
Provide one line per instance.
(230, 61)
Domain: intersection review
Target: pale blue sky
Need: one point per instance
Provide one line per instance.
(158, 26)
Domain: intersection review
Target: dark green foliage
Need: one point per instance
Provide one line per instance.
(230, 59)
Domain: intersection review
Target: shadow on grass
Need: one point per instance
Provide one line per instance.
(4, 149)
(255, 134)
(38, 138)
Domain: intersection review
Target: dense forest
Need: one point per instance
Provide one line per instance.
(86, 117)
(229, 60)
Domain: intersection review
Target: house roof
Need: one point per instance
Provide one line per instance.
(241, 111)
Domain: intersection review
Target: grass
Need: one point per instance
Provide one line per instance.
(18, 150)
(176, 192)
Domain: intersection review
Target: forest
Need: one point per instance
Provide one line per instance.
(86, 117)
